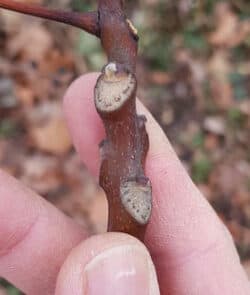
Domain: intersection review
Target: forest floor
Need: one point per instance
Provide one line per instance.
(194, 76)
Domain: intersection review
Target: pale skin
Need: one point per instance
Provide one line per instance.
(44, 252)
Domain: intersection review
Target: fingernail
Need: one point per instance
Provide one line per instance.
(121, 270)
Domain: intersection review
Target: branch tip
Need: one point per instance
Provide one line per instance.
(87, 21)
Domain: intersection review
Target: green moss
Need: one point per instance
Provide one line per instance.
(8, 128)
(198, 140)
(235, 117)
(157, 49)
(201, 169)
(239, 83)
(11, 290)
(80, 5)
(209, 5)
(90, 47)
(248, 185)
(195, 40)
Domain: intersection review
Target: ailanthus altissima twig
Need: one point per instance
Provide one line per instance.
(124, 150)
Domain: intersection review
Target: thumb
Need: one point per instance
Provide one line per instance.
(112, 263)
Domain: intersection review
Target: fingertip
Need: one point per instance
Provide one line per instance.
(35, 238)
(182, 225)
(86, 82)
(112, 263)
(83, 121)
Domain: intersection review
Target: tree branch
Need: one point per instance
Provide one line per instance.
(124, 151)
(87, 21)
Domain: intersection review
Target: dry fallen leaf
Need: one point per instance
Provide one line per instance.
(98, 212)
(160, 78)
(52, 137)
(226, 179)
(230, 31)
(25, 95)
(211, 142)
(47, 129)
(219, 69)
(31, 42)
(42, 173)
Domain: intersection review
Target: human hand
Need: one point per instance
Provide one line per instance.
(44, 252)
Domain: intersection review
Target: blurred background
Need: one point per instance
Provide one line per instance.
(194, 76)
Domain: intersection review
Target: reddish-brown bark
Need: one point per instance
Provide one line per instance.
(124, 150)
(87, 21)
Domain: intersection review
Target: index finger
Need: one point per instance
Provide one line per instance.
(192, 251)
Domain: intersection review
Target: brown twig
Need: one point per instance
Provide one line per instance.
(87, 21)
(124, 150)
